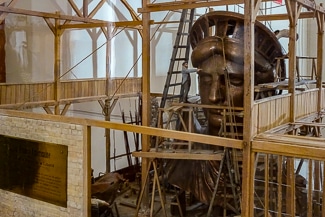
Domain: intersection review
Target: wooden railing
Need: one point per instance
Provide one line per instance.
(272, 112)
(11, 94)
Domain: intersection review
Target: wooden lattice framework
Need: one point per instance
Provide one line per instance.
(253, 123)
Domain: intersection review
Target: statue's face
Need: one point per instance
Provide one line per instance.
(217, 39)
(220, 86)
(221, 76)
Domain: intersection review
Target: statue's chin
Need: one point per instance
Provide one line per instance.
(215, 122)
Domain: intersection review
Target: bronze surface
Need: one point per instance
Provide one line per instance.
(34, 169)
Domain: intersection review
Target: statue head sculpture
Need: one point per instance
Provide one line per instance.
(217, 39)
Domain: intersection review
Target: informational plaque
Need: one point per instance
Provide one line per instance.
(34, 169)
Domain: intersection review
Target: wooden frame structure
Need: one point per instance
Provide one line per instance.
(19, 96)
(290, 107)
(255, 139)
(63, 93)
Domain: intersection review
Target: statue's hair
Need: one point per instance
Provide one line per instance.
(222, 33)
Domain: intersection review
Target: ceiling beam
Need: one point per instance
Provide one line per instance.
(48, 15)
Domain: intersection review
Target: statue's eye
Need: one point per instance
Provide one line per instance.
(205, 79)
(236, 80)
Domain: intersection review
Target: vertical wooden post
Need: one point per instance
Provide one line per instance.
(57, 66)
(107, 112)
(2, 50)
(107, 107)
(87, 171)
(85, 8)
(320, 44)
(94, 57)
(317, 187)
(290, 193)
(292, 13)
(319, 78)
(310, 189)
(266, 184)
(323, 194)
(279, 178)
(247, 185)
(292, 9)
(145, 93)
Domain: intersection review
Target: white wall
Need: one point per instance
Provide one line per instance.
(92, 110)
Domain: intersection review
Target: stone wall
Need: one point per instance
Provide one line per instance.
(71, 135)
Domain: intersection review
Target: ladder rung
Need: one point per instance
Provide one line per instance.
(175, 84)
(176, 143)
(173, 96)
(239, 114)
(176, 72)
(180, 59)
(234, 124)
(231, 134)
(181, 46)
(172, 108)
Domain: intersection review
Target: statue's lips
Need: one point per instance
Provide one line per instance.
(215, 115)
(215, 111)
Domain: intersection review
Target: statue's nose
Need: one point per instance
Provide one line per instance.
(216, 93)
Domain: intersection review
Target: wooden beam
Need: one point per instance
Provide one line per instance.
(85, 7)
(133, 14)
(48, 15)
(145, 130)
(10, 4)
(320, 54)
(28, 105)
(86, 170)
(286, 149)
(270, 17)
(311, 5)
(301, 123)
(247, 184)
(57, 65)
(292, 11)
(75, 8)
(290, 193)
(47, 110)
(256, 8)
(207, 106)
(177, 5)
(65, 109)
(146, 101)
(96, 9)
(107, 113)
(50, 25)
(126, 24)
(183, 156)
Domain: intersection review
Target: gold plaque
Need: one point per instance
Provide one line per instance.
(34, 169)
